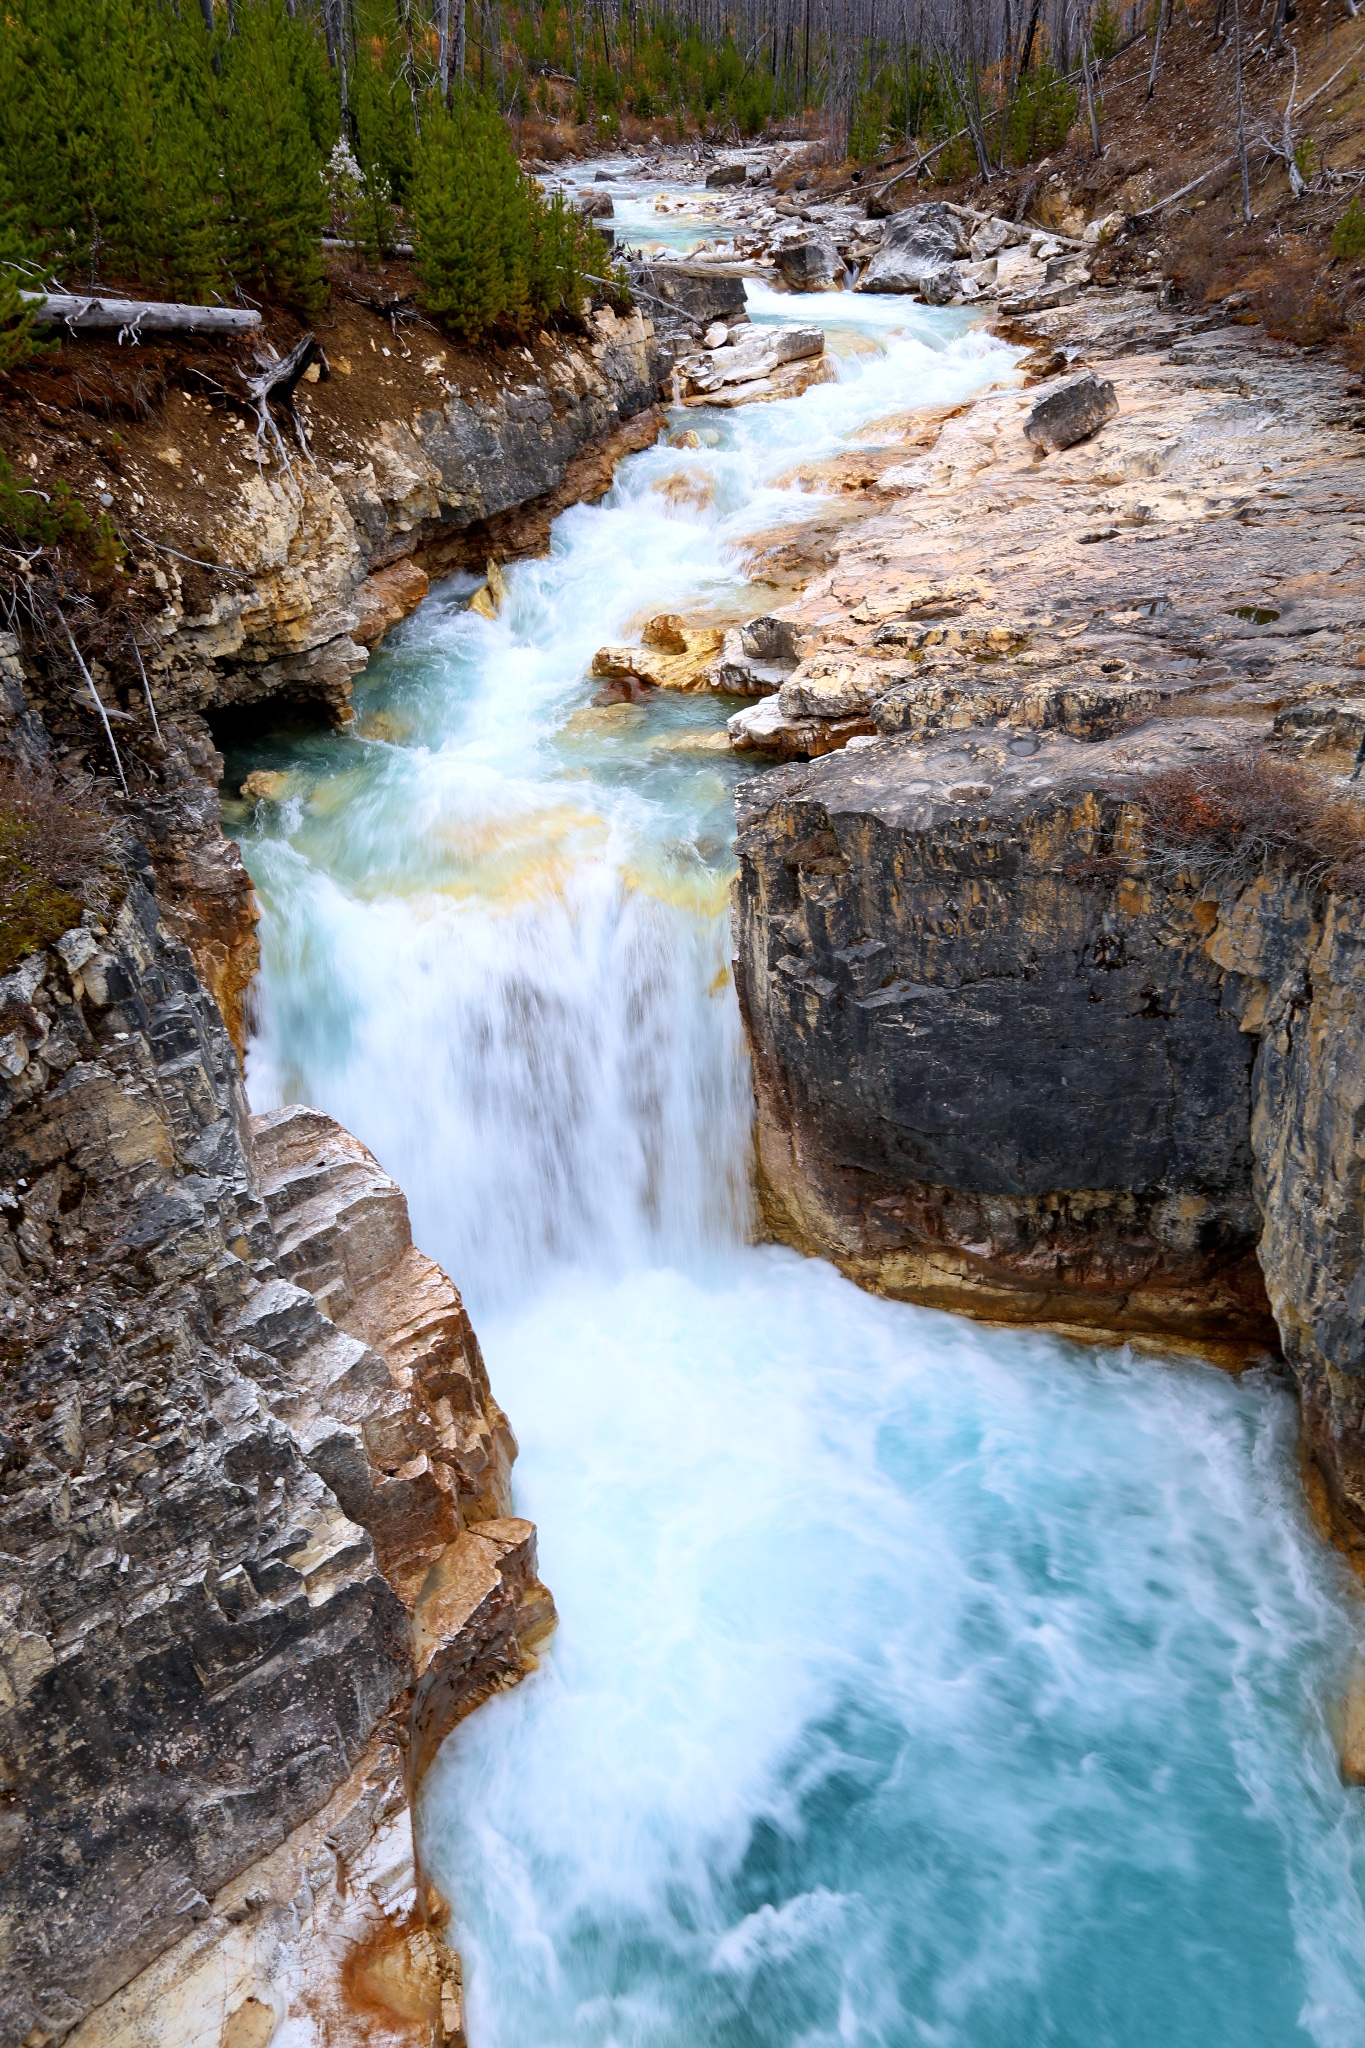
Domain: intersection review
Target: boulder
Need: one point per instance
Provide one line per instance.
(756, 353)
(1018, 272)
(809, 265)
(994, 235)
(723, 175)
(919, 250)
(674, 656)
(688, 295)
(1071, 412)
(386, 598)
(1098, 232)
(596, 205)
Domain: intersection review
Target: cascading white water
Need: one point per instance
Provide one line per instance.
(917, 1683)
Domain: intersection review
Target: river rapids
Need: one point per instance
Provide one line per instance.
(917, 1682)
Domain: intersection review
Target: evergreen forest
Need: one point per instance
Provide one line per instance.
(205, 148)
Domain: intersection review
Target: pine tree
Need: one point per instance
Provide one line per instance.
(270, 108)
(471, 221)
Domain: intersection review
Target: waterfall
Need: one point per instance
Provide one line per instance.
(917, 1683)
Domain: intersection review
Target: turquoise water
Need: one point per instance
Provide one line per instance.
(917, 1683)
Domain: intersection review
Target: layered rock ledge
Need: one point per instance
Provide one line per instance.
(1012, 1057)
(257, 1552)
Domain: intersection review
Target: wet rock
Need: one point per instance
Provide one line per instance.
(1071, 412)
(491, 595)
(759, 363)
(595, 205)
(383, 600)
(673, 656)
(918, 252)
(267, 785)
(810, 265)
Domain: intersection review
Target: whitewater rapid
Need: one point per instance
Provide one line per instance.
(916, 1682)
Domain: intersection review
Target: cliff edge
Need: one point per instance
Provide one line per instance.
(1052, 972)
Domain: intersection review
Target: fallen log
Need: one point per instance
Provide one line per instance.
(82, 313)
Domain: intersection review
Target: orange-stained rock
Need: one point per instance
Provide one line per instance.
(383, 600)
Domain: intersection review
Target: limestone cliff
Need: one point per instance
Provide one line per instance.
(247, 1435)
(258, 1553)
(219, 1502)
(1012, 1057)
(263, 572)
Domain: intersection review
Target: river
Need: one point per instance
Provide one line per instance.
(917, 1682)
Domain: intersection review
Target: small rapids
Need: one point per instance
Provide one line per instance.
(917, 1682)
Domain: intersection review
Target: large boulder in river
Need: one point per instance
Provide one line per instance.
(812, 264)
(919, 250)
(751, 366)
(725, 174)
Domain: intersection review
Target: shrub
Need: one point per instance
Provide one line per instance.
(28, 514)
(56, 860)
(1348, 236)
(1229, 820)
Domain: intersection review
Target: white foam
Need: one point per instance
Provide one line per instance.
(916, 1682)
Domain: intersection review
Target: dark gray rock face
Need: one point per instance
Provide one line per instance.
(197, 1643)
(809, 265)
(725, 175)
(685, 298)
(918, 250)
(990, 1073)
(218, 1505)
(1071, 412)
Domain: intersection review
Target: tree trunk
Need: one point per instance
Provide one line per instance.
(84, 313)
(1089, 90)
(1163, 9)
(1241, 116)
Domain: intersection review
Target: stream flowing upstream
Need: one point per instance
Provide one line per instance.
(917, 1682)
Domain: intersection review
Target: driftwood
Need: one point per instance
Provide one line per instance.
(82, 313)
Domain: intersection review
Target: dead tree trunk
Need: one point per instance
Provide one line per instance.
(276, 383)
(80, 313)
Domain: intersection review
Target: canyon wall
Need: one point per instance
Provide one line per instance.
(248, 1446)
(1012, 1056)
(258, 1548)
(269, 573)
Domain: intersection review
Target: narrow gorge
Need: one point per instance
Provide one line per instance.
(663, 852)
